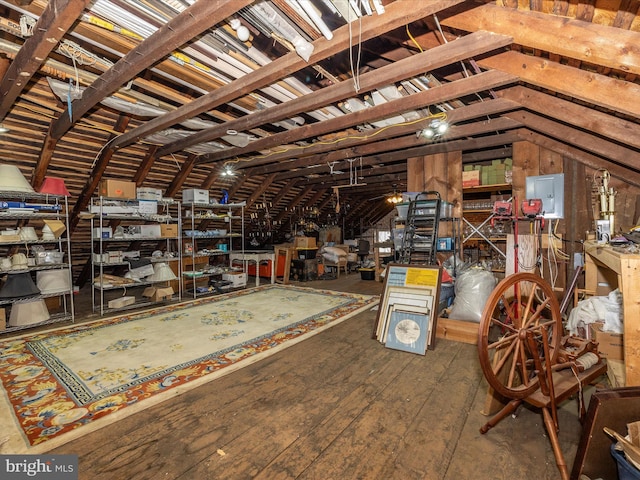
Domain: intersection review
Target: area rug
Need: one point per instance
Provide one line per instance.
(61, 384)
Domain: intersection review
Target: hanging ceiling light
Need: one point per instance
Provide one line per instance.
(228, 171)
(4, 129)
(436, 129)
(395, 198)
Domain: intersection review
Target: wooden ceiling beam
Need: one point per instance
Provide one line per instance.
(613, 94)
(373, 153)
(322, 152)
(592, 161)
(463, 48)
(588, 42)
(293, 204)
(612, 127)
(95, 176)
(176, 32)
(475, 83)
(396, 15)
(593, 144)
(264, 185)
(57, 17)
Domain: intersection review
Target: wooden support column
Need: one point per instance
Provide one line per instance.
(440, 172)
(577, 211)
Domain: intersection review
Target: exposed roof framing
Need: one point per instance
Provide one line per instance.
(167, 95)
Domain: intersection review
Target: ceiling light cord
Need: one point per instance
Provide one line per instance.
(355, 72)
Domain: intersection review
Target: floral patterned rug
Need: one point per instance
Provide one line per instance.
(61, 384)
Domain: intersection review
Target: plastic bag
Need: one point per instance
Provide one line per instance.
(473, 287)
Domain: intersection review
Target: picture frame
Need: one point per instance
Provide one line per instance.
(408, 329)
(411, 289)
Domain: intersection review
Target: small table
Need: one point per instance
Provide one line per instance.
(256, 256)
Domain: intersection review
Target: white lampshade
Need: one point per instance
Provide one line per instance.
(47, 233)
(161, 273)
(19, 261)
(12, 180)
(28, 313)
(28, 234)
(53, 281)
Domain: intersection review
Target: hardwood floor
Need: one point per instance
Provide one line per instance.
(338, 405)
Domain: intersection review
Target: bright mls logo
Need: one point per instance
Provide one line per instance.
(43, 467)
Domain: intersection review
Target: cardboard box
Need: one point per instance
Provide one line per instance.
(169, 230)
(106, 232)
(113, 209)
(158, 294)
(471, 178)
(100, 257)
(146, 193)
(237, 279)
(3, 319)
(145, 231)
(610, 345)
(121, 302)
(195, 195)
(304, 242)
(117, 189)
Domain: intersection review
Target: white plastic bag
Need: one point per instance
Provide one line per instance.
(473, 287)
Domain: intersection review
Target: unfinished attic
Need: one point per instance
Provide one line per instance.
(320, 239)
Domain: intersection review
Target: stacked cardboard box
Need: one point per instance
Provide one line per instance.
(496, 173)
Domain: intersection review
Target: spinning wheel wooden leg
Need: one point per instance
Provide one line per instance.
(555, 443)
(507, 410)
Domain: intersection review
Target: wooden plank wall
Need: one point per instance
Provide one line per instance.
(441, 172)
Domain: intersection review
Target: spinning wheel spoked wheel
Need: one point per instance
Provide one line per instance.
(521, 312)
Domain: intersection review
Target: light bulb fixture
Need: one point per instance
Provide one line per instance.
(4, 129)
(436, 129)
(241, 31)
(228, 171)
(395, 198)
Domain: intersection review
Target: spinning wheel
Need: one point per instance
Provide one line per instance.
(525, 358)
(521, 315)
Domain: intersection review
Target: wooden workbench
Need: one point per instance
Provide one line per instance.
(604, 266)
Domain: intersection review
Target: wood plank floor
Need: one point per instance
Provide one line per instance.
(338, 405)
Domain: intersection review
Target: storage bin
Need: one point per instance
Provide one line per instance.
(49, 257)
(195, 195)
(367, 274)
(146, 193)
(402, 209)
(626, 471)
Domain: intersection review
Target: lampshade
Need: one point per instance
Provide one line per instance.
(28, 234)
(53, 281)
(28, 313)
(19, 261)
(47, 233)
(161, 273)
(54, 186)
(12, 180)
(19, 284)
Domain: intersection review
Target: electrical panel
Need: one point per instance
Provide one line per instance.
(550, 189)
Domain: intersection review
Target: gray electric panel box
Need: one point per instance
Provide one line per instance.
(550, 189)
